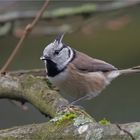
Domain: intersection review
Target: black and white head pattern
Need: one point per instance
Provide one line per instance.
(57, 56)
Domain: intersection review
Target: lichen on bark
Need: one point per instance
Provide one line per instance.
(68, 122)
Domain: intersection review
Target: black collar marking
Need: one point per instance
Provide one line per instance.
(52, 67)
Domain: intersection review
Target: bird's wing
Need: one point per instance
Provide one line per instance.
(84, 63)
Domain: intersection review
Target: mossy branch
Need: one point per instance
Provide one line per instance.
(72, 123)
(33, 89)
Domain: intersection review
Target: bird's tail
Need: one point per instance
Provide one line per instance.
(130, 70)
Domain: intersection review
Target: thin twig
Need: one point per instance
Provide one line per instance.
(27, 30)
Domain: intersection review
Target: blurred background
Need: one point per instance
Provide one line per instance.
(108, 30)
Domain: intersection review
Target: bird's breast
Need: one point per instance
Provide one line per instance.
(59, 79)
(76, 84)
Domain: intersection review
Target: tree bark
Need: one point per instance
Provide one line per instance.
(71, 122)
(33, 89)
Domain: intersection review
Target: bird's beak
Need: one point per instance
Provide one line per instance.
(42, 58)
(59, 38)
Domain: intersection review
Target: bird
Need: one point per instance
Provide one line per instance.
(77, 74)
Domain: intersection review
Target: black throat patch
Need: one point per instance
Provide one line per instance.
(52, 67)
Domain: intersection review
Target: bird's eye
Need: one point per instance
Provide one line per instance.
(56, 52)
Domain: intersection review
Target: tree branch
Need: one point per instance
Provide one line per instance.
(69, 130)
(72, 123)
(32, 89)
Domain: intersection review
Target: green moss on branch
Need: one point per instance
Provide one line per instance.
(72, 123)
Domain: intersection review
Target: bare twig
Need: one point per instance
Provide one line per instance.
(27, 30)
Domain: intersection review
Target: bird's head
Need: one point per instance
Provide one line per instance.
(57, 53)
